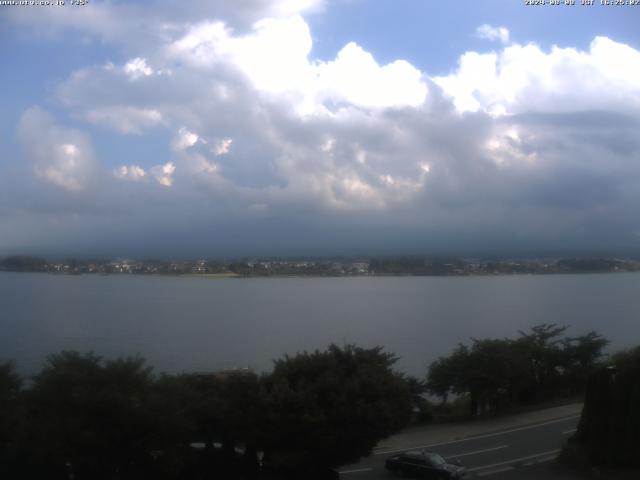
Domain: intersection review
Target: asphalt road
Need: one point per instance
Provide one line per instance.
(504, 454)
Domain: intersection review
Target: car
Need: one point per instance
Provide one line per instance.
(424, 464)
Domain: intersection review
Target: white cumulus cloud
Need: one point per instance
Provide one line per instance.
(137, 68)
(125, 119)
(493, 33)
(129, 23)
(134, 173)
(61, 156)
(256, 126)
(524, 78)
(275, 58)
(222, 147)
(164, 173)
(184, 139)
(355, 77)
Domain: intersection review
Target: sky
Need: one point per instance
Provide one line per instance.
(319, 127)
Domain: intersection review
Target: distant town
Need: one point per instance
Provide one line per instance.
(382, 266)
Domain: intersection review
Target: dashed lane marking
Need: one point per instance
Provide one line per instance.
(550, 455)
(546, 459)
(477, 451)
(357, 470)
(467, 439)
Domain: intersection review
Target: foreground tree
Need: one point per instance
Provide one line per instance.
(332, 407)
(488, 372)
(609, 429)
(581, 356)
(10, 385)
(88, 418)
(495, 373)
(542, 347)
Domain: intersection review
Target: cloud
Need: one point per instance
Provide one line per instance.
(488, 32)
(347, 134)
(222, 147)
(254, 88)
(356, 78)
(519, 146)
(125, 119)
(132, 24)
(524, 78)
(133, 173)
(275, 58)
(184, 139)
(164, 173)
(62, 157)
(137, 68)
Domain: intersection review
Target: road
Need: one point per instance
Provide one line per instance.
(499, 453)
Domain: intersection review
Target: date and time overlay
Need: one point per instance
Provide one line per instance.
(44, 3)
(582, 3)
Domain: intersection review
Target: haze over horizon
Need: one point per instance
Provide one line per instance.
(319, 127)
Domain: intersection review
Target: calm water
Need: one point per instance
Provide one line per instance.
(185, 324)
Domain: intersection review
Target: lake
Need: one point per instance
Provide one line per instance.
(205, 324)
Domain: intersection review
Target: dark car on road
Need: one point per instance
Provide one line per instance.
(424, 464)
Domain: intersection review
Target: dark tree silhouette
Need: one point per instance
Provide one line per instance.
(89, 417)
(496, 373)
(332, 407)
(609, 429)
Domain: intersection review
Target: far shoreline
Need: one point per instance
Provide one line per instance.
(232, 275)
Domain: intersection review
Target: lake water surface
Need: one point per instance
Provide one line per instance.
(204, 324)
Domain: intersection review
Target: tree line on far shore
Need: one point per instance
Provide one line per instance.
(85, 417)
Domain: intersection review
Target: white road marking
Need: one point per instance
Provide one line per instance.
(477, 451)
(515, 460)
(567, 432)
(546, 459)
(358, 470)
(467, 439)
